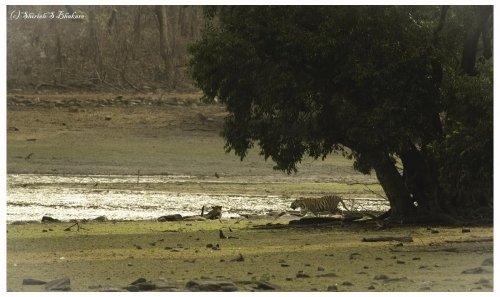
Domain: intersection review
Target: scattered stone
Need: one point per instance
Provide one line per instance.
(307, 265)
(238, 259)
(112, 289)
(346, 283)
(400, 262)
(130, 264)
(353, 255)
(371, 287)
(434, 231)
(139, 280)
(138, 246)
(483, 281)
(263, 285)
(426, 288)
(213, 247)
(465, 230)
(44, 230)
(170, 218)
(100, 219)
(381, 277)
(332, 288)
(132, 288)
(31, 281)
(487, 262)
(47, 219)
(378, 259)
(284, 265)
(301, 274)
(289, 279)
(107, 118)
(62, 284)
(476, 270)
(330, 274)
(423, 267)
(396, 279)
(164, 285)
(211, 286)
(320, 268)
(416, 258)
(146, 286)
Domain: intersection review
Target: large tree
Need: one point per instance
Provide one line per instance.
(382, 85)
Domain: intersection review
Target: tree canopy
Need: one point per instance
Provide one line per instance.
(379, 84)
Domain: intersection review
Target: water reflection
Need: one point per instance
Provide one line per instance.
(25, 201)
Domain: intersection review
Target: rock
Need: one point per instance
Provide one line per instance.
(434, 231)
(132, 288)
(238, 259)
(170, 218)
(301, 274)
(100, 219)
(47, 219)
(107, 118)
(139, 280)
(381, 277)
(284, 265)
(330, 274)
(483, 281)
(416, 258)
(211, 286)
(163, 284)
(112, 289)
(487, 262)
(465, 230)
(476, 270)
(400, 262)
(353, 256)
(371, 287)
(347, 284)
(321, 268)
(146, 286)
(31, 281)
(332, 288)
(263, 285)
(62, 284)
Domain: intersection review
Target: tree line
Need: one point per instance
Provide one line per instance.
(109, 47)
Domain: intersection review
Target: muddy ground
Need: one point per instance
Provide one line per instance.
(176, 134)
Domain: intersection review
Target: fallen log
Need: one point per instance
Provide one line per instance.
(388, 238)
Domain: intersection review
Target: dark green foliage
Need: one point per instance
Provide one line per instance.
(368, 82)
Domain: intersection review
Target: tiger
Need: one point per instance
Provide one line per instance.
(328, 203)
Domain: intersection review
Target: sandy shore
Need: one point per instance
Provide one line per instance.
(110, 255)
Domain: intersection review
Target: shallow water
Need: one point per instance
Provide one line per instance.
(27, 201)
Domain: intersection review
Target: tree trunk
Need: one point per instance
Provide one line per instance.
(161, 14)
(420, 179)
(94, 41)
(471, 41)
(394, 188)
